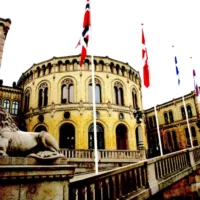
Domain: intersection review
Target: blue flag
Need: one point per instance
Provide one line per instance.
(177, 71)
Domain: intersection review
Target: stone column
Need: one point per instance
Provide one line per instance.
(4, 27)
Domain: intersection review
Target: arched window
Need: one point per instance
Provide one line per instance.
(27, 101)
(118, 94)
(166, 118)
(15, 108)
(134, 97)
(38, 72)
(40, 128)
(171, 118)
(130, 74)
(183, 113)
(123, 71)
(6, 105)
(116, 101)
(75, 65)
(175, 140)
(193, 132)
(121, 137)
(194, 136)
(49, 66)
(43, 70)
(67, 136)
(150, 122)
(100, 136)
(189, 111)
(31, 75)
(154, 121)
(117, 69)
(169, 139)
(111, 67)
(43, 95)
(59, 65)
(67, 91)
(187, 137)
(97, 91)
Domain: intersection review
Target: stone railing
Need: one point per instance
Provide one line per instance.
(196, 155)
(140, 180)
(167, 165)
(110, 185)
(103, 155)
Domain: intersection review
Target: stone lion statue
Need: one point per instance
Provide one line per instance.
(14, 142)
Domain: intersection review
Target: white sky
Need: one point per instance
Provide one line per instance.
(42, 29)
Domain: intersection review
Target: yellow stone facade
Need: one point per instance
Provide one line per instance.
(115, 120)
(173, 124)
(10, 98)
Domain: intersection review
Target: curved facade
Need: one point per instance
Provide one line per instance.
(58, 98)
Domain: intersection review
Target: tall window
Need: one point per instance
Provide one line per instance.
(189, 111)
(27, 101)
(38, 71)
(194, 136)
(97, 91)
(118, 94)
(171, 118)
(169, 140)
(183, 113)
(67, 91)
(134, 97)
(43, 95)
(100, 136)
(187, 137)
(166, 118)
(15, 107)
(175, 140)
(150, 122)
(154, 121)
(6, 105)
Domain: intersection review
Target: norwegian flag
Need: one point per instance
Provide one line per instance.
(85, 34)
(145, 59)
(195, 83)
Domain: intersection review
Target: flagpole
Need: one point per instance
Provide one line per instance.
(186, 114)
(93, 98)
(187, 121)
(146, 80)
(196, 87)
(158, 130)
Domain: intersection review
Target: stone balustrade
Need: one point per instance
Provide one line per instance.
(113, 184)
(103, 155)
(140, 180)
(196, 155)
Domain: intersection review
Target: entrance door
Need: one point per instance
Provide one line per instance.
(121, 137)
(100, 137)
(67, 136)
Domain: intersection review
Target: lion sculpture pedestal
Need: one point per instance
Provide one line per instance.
(30, 166)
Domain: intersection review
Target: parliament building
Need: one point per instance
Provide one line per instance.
(56, 96)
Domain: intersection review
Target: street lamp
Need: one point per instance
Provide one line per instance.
(138, 115)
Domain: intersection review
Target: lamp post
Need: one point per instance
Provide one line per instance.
(138, 115)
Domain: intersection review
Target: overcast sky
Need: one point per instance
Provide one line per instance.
(42, 29)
